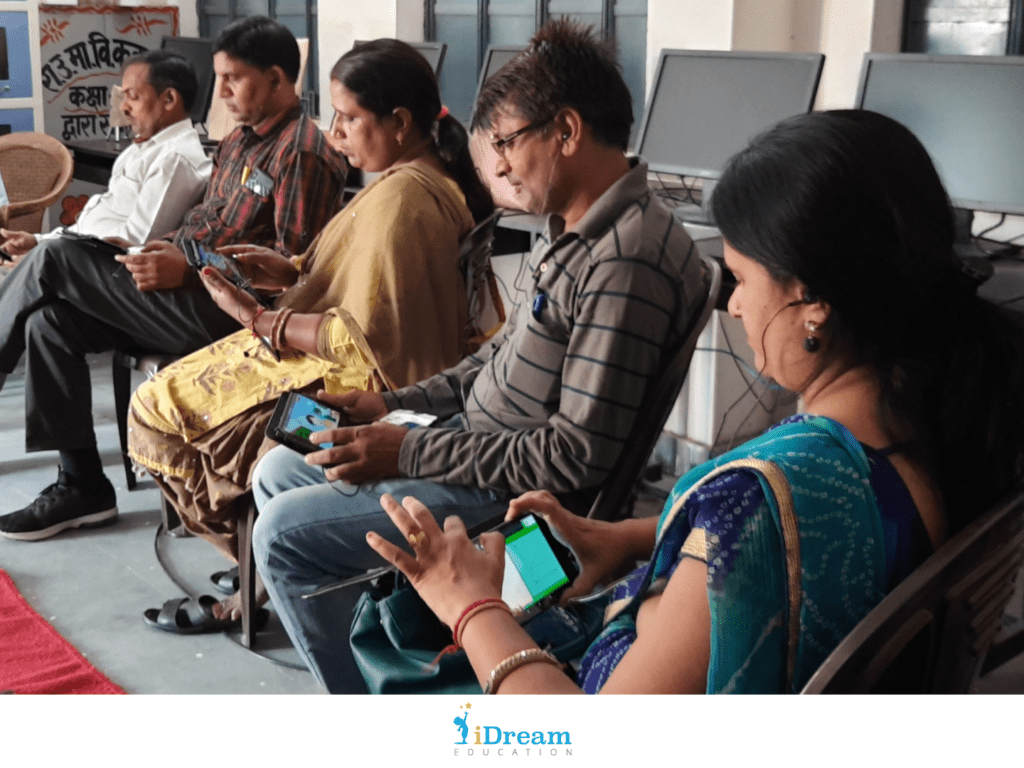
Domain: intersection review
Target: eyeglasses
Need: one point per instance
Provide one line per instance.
(501, 145)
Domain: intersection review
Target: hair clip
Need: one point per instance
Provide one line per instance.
(443, 113)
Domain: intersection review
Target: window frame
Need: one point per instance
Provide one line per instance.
(1015, 31)
(610, 10)
(311, 88)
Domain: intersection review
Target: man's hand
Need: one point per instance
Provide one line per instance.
(360, 454)
(361, 407)
(16, 244)
(160, 266)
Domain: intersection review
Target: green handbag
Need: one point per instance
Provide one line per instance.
(395, 639)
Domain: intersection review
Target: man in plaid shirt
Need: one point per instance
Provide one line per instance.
(276, 182)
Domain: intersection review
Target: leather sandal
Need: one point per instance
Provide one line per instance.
(226, 581)
(194, 616)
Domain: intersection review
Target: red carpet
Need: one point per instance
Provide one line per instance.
(34, 658)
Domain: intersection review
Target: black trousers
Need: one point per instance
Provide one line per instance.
(62, 302)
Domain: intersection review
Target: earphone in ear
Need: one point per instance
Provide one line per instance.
(565, 136)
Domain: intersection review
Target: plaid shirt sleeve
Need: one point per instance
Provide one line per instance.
(307, 193)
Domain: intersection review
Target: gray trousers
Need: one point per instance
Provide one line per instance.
(63, 301)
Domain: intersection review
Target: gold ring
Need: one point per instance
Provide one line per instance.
(416, 538)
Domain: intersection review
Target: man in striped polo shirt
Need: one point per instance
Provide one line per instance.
(549, 402)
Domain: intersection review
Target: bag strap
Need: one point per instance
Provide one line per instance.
(779, 485)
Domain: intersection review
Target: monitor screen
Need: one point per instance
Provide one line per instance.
(198, 51)
(5, 64)
(434, 53)
(704, 106)
(496, 57)
(966, 110)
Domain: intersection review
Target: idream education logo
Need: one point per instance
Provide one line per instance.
(490, 740)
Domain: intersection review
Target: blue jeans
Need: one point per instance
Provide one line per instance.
(311, 533)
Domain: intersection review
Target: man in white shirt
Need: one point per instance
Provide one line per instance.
(156, 179)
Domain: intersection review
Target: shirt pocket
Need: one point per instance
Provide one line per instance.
(245, 211)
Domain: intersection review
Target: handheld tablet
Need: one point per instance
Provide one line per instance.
(296, 417)
(94, 244)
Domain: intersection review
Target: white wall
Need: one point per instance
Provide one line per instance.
(777, 25)
(188, 19)
(851, 28)
(844, 30)
(342, 22)
(687, 24)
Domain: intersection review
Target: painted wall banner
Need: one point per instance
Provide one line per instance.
(83, 50)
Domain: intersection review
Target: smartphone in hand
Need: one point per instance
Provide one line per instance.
(199, 258)
(538, 567)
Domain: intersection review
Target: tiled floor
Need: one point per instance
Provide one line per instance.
(94, 585)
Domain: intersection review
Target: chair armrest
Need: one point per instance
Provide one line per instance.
(30, 206)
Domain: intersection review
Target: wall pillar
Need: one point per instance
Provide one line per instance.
(342, 22)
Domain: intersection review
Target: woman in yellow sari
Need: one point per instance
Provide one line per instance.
(377, 301)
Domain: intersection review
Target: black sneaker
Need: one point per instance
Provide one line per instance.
(61, 506)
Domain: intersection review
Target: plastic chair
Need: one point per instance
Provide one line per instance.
(932, 633)
(36, 169)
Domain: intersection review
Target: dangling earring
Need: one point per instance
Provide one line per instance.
(811, 342)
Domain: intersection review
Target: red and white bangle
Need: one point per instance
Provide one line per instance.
(469, 612)
(472, 610)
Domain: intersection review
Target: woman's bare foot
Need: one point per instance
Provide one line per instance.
(231, 607)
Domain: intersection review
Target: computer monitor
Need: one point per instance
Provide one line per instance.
(967, 111)
(432, 52)
(496, 57)
(198, 51)
(704, 106)
(5, 64)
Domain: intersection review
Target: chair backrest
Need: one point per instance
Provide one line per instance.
(36, 170)
(612, 501)
(486, 312)
(937, 624)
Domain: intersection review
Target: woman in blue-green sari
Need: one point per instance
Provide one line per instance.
(839, 233)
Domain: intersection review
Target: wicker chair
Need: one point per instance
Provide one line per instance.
(36, 170)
